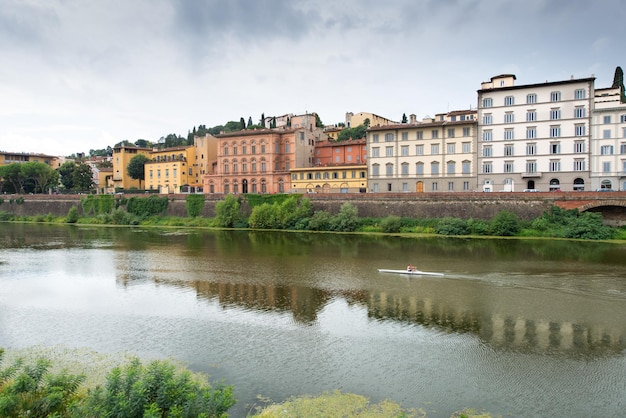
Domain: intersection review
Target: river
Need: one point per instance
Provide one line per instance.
(522, 328)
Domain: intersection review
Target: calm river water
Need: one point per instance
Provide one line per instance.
(522, 328)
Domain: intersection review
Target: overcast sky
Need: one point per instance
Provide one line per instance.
(77, 75)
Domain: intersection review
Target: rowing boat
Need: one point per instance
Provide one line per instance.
(411, 272)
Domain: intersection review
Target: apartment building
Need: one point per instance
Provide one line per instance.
(535, 136)
(340, 167)
(259, 161)
(121, 157)
(169, 169)
(436, 154)
(7, 158)
(608, 140)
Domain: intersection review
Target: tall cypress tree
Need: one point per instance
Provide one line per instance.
(618, 82)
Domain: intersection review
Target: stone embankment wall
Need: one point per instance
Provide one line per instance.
(433, 205)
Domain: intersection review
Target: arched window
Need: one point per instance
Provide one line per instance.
(226, 167)
(579, 184)
(555, 185)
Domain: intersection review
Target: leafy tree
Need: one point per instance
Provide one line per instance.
(391, 223)
(83, 177)
(505, 224)
(194, 204)
(142, 143)
(105, 164)
(12, 179)
(125, 143)
(452, 226)
(404, 119)
(72, 215)
(347, 219)
(366, 122)
(135, 167)
(41, 174)
(320, 221)
(66, 173)
(352, 133)
(227, 212)
(233, 126)
(318, 121)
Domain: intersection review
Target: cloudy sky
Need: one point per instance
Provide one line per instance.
(77, 75)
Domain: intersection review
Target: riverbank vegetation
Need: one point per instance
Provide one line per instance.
(295, 212)
(32, 385)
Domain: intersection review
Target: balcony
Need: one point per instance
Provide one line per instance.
(531, 175)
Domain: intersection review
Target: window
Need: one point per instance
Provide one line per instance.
(435, 134)
(389, 151)
(451, 166)
(509, 117)
(555, 113)
(555, 96)
(389, 169)
(375, 188)
(405, 136)
(263, 167)
(466, 167)
(375, 152)
(531, 98)
(579, 112)
(487, 135)
(531, 149)
(376, 170)
(434, 186)
(580, 130)
(434, 149)
(419, 135)
(606, 134)
(335, 175)
(404, 169)
(508, 134)
(487, 168)
(404, 150)
(622, 118)
(253, 149)
(606, 150)
(419, 169)
(466, 131)
(606, 167)
(450, 132)
(508, 150)
(622, 148)
(234, 149)
(374, 137)
(434, 168)
(555, 131)
(579, 147)
(531, 166)
(466, 186)
(509, 101)
(389, 137)
(487, 119)
(508, 166)
(531, 132)
(579, 94)
(450, 186)
(487, 102)
(555, 148)
(487, 151)
(531, 115)
(579, 165)
(419, 150)
(555, 165)
(405, 187)
(262, 148)
(607, 119)
(451, 148)
(467, 147)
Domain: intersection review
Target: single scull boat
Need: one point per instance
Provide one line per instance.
(411, 272)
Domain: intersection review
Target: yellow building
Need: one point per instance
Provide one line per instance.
(8, 158)
(170, 169)
(353, 120)
(205, 160)
(330, 179)
(121, 157)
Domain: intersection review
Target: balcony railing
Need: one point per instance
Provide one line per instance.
(531, 174)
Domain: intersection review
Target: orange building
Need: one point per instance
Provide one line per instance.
(353, 152)
(259, 161)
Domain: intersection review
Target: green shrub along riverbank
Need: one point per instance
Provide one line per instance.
(32, 386)
(295, 212)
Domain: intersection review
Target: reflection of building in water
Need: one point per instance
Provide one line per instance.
(304, 302)
(534, 332)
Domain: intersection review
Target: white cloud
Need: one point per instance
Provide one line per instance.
(85, 75)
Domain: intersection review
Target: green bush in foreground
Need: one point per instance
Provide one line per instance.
(134, 390)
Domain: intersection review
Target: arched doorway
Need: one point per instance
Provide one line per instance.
(419, 187)
(606, 185)
(530, 184)
(579, 185)
(244, 186)
(555, 185)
